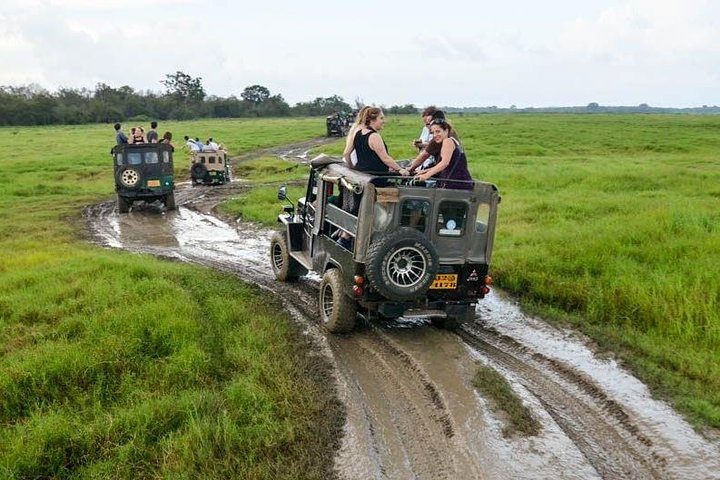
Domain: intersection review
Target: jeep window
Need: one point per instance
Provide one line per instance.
(151, 157)
(414, 213)
(211, 159)
(134, 158)
(451, 219)
(483, 217)
(166, 157)
(119, 158)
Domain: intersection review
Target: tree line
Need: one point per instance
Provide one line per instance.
(184, 98)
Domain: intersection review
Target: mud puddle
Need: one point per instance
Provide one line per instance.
(412, 411)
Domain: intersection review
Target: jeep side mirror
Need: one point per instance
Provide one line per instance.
(282, 193)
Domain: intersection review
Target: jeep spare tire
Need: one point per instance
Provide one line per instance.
(198, 171)
(401, 264)
(129, 177)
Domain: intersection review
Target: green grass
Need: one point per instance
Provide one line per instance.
(518, 419)
(612, 223)
(117, 365)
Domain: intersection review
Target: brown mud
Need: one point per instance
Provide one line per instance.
(411, 409)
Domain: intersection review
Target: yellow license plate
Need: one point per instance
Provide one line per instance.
(444, 281)
(153, 183)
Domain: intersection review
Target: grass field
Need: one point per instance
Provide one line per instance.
(118, 365)
(610, 222)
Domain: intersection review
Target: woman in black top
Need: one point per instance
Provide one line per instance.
(370, 148)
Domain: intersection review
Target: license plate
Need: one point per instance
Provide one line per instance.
(444, 281)
(153, 183)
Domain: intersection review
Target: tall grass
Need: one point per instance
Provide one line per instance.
(117, 365)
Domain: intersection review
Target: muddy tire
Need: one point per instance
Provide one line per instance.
(285, 268)
(170, 201)
(123, 204)
(198, 172)
(337, 310)
(129, 177)
(402, 264)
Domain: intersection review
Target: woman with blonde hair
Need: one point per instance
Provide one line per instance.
(349, 154)
(371, 150)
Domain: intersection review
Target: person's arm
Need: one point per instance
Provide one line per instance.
(349, 147)
(448, 147)
(377, 145)
(422, 156)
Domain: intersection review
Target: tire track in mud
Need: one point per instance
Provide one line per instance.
(598, 426)
(410, 425)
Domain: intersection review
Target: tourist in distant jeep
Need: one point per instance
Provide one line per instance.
(152, 135)
(120, 136)
(137, 135)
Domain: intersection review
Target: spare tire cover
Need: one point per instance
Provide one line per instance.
(198, 170)
(401, 264)
(129, 177)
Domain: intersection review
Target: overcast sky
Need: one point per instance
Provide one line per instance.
(450, 53)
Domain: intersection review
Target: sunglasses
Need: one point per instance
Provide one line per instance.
(438, 121)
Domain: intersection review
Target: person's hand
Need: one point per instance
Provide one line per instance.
(404, 172)
(423, 176)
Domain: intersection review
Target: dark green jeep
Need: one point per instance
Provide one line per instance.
(143, 171)
(388, 247)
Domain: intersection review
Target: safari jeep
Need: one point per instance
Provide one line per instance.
(209, 167)
(143, 171)
(386, 247)
(336, 125)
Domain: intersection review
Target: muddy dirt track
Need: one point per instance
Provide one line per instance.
(412, 411)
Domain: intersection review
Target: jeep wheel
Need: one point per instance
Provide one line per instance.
(402, 264)
(170, 201)
(123, 204)
(285, 268)
(337, 310)
(129, 177)
(198, 171)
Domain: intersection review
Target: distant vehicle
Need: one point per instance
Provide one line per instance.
(209, 168)
(387, 247)
(143, 171)
(337, 125)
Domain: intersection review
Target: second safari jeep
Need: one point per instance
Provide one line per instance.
(387, 248)
(210, 167)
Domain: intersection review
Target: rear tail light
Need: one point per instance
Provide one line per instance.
(357, 289)
(485, 289)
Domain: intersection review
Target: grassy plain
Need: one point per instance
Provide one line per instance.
(118, 365)
(610, 222)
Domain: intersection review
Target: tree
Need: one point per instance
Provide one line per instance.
(183, 87)
(255, 94)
